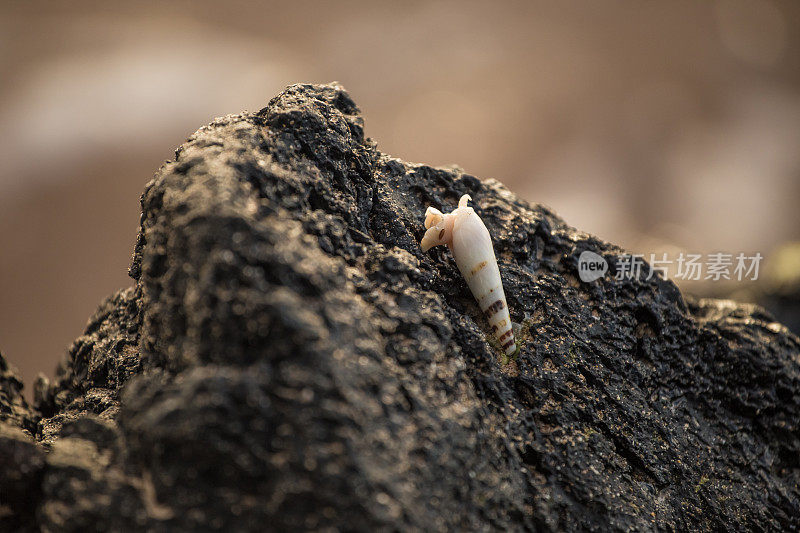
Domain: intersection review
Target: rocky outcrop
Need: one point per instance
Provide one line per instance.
(289, 359)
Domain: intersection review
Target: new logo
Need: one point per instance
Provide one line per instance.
(591, 266)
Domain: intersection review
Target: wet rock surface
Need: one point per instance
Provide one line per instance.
(289, 359)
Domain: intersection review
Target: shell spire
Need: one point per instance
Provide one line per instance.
(466, 235)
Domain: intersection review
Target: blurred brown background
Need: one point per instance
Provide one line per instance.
(660, 126)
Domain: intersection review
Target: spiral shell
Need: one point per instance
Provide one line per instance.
(466, 235)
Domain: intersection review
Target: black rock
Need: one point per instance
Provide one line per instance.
(14, 409)
(290, 359)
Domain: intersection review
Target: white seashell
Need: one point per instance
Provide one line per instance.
(469, 240)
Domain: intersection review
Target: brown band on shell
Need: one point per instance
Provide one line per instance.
(494, 308)
(502, 337)
(509, 343)
(480, 266)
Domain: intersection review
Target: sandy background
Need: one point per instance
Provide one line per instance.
(661, 126)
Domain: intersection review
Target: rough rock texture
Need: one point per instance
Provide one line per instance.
(21, 460)
(289, 359)
(14, 410)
